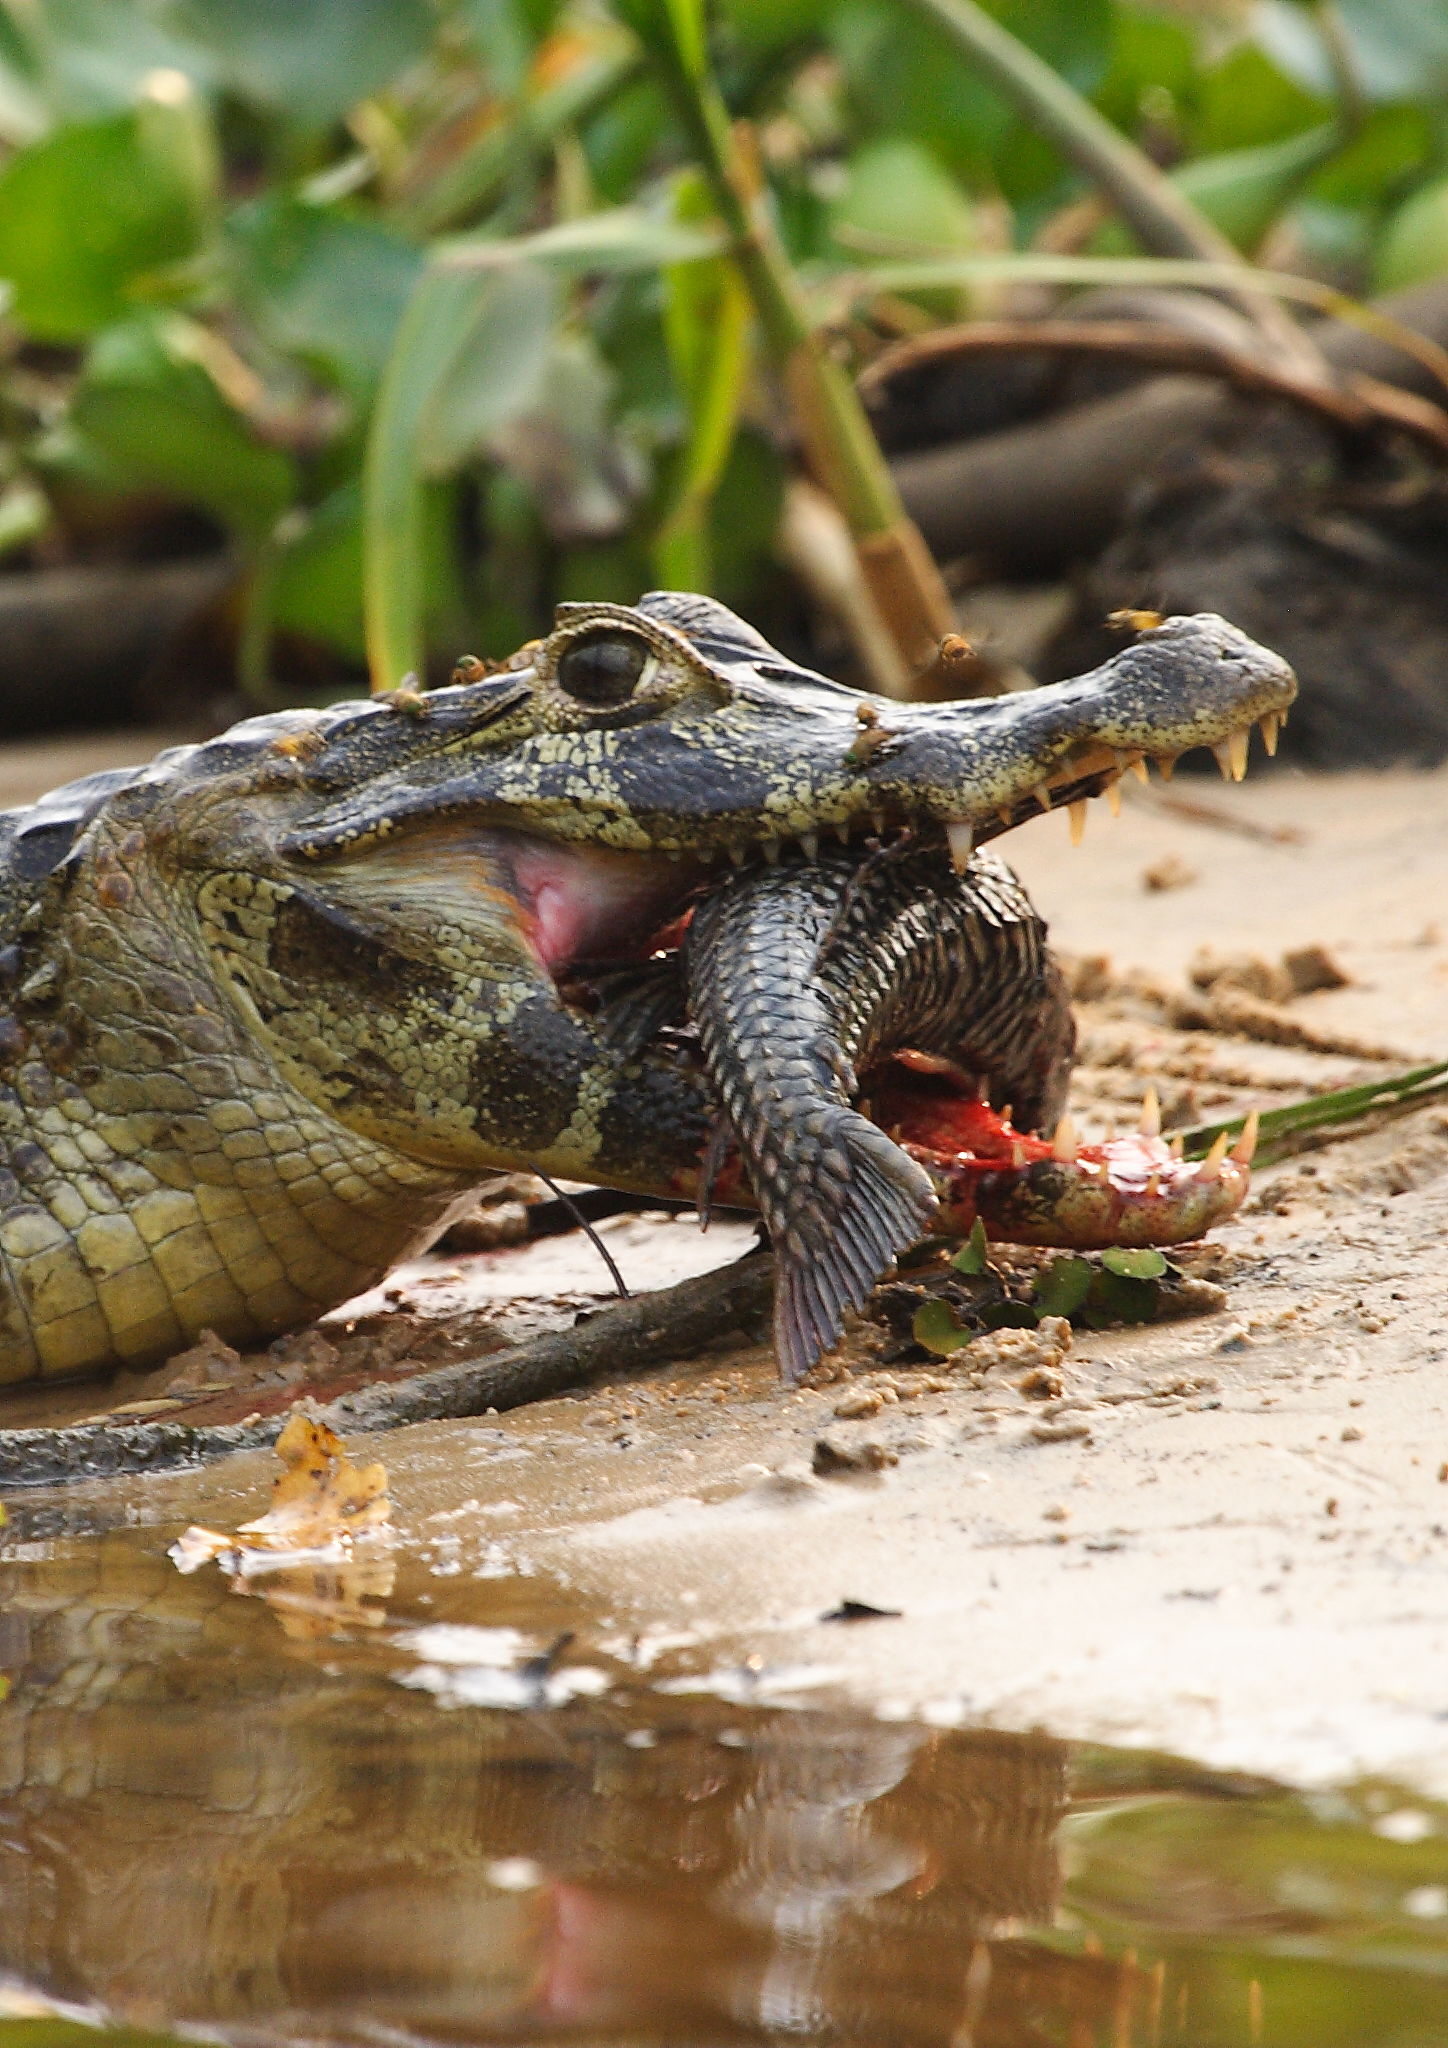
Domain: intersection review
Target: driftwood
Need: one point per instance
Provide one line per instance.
(1033, 497)
(74, 643)
(645, 1330)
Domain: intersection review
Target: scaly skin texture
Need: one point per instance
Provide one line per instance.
(270, 1007)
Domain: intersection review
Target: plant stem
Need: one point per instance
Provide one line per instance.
(1320, 1112)
(1160, 214)
(839, 442)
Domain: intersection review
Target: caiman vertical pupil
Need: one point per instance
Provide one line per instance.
(603, 668)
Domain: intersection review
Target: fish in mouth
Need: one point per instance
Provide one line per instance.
(884, 1037)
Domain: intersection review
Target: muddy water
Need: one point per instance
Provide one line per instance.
(402, 1801)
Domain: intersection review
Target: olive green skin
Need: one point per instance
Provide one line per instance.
(271, 1007)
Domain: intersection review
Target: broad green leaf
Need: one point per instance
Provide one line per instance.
(1378, 162)
(762, 28)
(1398, 49)
(1246, 101)
(1008, 1315)
(898, 197)
(162, 424)
(936, 1328)
(309, 60)
(323, 285)
(1142, 1262)
(317, 574)
(91, 214)
(974, 1254)
(1243, 191)
(498, 373)
(1114, 1298)
(90, 58)
(1151, 54)
(1414, 245)
(1063, 1287)
(908, 77)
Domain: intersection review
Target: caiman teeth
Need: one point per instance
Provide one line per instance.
(961, 835)
(1112, 793)
(1271, 724)
(810, 842)
(1077, 814)
(877, 819)
(737, 854)
(1149, 1123)
(1042, 794)
(770, 850)
(1178, 1147)
(1231, 754)
(1165, 765)
(1138, 767)
(1065, 1144)
(1246, 1145)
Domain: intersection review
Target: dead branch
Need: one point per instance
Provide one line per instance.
(647, 1329)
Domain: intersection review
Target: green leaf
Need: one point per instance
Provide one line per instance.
(498, 373)
(159, 419)
(1063, 1287)
(323, 285)
(90, 214)
(1243, 191)
(309, 60)
(936, 1328)
(1414, 245)
(1008, 1315)
(1144, 1262)
(1114, 1298)
(973, 1255)
(91, 58)
(899, 198)
(621, 238)
(1246, 101)
(1398, 49)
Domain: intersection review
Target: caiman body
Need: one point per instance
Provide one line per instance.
(272, 1006)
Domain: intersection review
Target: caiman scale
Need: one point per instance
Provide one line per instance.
(271, 1006)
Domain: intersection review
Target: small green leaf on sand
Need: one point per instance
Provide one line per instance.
(1063, 1287)
(971, 1258)
(1145, 1263)
(936, 1328)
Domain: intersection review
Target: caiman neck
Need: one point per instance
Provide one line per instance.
(160, 1176)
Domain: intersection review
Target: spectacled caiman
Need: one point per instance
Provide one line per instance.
(273, 1005)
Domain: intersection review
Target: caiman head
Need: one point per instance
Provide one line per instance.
(407, 896)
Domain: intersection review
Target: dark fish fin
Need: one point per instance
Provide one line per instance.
(861, 1216)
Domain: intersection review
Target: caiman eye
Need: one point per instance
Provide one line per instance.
(603, 668)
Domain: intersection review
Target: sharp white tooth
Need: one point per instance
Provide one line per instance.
(1271, 724)
(771, 851)
(842, 832)
(1042, 794)
(1149, 1123)
(738, 855)
(1211, 1166)
(810, 841)
(1113, 797)
(962, 843)
(1018, 1154)
(1238, 744)
(877, 819)
(1223, 752)
(1138, 767)
(1077, 813)
(1006, 815)
(1246, 1145)
(1065, 1144)
(1178, 1146)
(1165, 766)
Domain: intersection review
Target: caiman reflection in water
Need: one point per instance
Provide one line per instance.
(285, 1832)
(200, 1821)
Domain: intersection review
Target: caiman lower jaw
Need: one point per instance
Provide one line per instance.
(1134, 1190)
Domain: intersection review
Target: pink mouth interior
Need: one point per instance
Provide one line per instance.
(591, 904)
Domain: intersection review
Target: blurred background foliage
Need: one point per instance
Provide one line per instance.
(419, 304)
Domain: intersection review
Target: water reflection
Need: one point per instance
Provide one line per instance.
(208, 1818)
